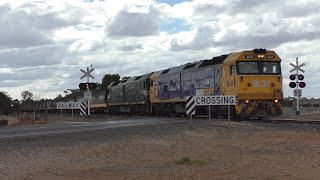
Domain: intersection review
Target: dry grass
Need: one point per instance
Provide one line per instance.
(188, 161)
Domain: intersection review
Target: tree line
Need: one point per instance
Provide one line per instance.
(7, 104)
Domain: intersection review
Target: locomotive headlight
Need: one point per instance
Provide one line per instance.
(276, 100)
(247, 101)
(260, 56)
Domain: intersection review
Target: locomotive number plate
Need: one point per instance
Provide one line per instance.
(261, 84)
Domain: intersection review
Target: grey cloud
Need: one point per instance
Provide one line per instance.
(25, 76)
(134, 24)
(249, 6)
(12, 83)
(22, 29)
(208, 9)
(203, 39)
(30, 57)
(298, 9)
(131, 46)
(231, 38)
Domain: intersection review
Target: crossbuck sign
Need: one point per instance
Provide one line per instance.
(297, 67)
(87, 73)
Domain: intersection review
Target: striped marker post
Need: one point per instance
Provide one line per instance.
(83, 109)
(190, 107)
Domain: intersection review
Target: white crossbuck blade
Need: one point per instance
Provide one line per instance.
(87, 73)
(297, 67)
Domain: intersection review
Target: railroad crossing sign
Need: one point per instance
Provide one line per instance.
(297, 67)
(87, 73)
(297, 81)
(87, 95)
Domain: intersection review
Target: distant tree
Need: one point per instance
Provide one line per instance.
(74, 95)
(16, 104)
(5, 103)
(125, 77)
(59, 98)
(26, 95)
(107, 79)
(36, 97)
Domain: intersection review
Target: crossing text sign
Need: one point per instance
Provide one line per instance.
(214, 100)
(68, 105)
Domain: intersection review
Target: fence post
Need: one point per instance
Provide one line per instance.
(228, 112)
(34, 116)
(209, 113)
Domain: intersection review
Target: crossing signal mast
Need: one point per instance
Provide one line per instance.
(297, 81)
(87, 86)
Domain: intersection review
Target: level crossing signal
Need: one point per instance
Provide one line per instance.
(293, 84)
(83, 86)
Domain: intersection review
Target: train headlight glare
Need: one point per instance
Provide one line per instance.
(247, 101)
(260, 56)
(276, 100)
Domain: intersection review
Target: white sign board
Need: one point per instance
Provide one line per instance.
(87, 95)
(68, 105)
(214, 100)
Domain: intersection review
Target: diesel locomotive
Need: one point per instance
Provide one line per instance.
(253, 76)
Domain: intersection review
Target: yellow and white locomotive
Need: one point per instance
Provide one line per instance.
(255, 78)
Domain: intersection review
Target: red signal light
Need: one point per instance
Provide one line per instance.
(92, 85)
(302, 84)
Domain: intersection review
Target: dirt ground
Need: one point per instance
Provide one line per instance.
(202, 150)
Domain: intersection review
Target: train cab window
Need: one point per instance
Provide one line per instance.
(151, 83)
(271, 67)
(255, 67)
(248, 67)
(232, 70)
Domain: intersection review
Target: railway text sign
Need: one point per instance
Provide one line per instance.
(214, 100)
(68, 105)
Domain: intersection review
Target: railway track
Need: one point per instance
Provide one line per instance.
(295, 121)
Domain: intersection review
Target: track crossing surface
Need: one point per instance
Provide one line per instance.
(70, 127)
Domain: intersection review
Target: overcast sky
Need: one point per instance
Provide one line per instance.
(45, 43)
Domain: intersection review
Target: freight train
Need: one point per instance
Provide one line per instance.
(253, 76)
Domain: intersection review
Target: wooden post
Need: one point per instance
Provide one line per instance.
(209, 113)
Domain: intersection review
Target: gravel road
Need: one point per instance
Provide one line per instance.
(217, 149)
